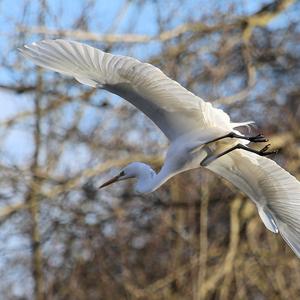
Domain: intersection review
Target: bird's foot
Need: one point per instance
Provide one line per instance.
(260, 138)
(264, 152)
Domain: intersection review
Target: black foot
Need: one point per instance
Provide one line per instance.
(264, 152)
(260, 138)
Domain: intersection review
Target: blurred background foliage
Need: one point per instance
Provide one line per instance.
(196, 237)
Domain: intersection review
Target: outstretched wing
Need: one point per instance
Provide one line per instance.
(275, 192)
(171, 107)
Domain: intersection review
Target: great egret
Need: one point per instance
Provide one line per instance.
(199, 134)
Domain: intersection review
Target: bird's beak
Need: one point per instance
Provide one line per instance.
(114, 179)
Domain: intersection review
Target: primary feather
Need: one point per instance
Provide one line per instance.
(171, 107)
(275, 192)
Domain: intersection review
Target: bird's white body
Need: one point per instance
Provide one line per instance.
(183, 154)
(191, 125)
(180, 157)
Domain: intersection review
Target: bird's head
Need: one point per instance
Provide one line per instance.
(133, 170)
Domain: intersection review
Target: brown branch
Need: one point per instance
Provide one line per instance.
(127, 37)
(32, 196)
(203, 247)
(53, 105)
(264, 16)
(257, 19)
(261, 18)
(227, 267)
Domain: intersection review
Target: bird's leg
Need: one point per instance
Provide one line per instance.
(255, 139)
(262, 152)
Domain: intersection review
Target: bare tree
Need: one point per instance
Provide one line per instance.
(196, 237)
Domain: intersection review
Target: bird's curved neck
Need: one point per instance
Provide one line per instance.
(149, 182)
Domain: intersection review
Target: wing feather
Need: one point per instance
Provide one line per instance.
(171, 107)
(275, 192)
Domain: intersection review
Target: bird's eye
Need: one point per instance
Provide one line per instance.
(122, 173)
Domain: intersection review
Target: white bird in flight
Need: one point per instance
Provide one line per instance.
(199, 134)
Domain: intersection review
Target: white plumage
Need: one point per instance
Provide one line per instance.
(199, 134)
(170, 106)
